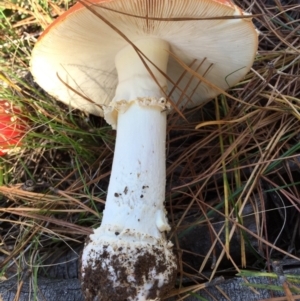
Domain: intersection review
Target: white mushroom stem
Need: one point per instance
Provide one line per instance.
(137, 184)
(129, 249)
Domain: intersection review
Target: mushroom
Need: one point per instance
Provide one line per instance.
(12, 128)
(120, 61)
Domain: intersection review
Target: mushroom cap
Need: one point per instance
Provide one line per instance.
(12, 127)
(74, 59)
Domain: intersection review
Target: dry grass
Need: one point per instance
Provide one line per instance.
(232, 164)
(242, 162)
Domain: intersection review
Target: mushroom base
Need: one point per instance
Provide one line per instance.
(122, 270)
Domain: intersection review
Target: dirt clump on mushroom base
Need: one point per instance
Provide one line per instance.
(134, 271)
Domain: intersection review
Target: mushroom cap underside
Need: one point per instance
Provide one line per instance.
(74, 60)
